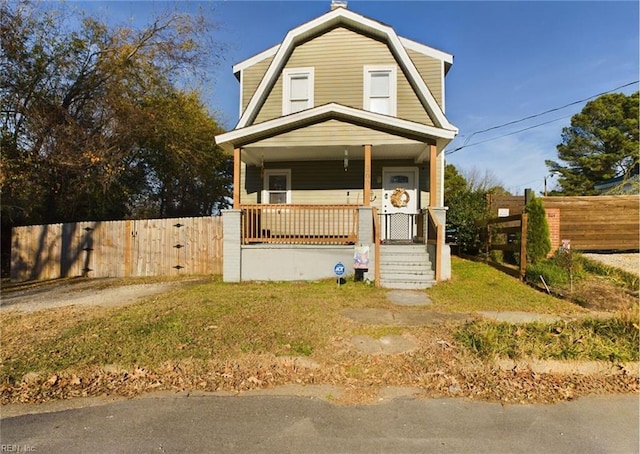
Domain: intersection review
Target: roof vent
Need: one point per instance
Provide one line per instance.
(338, 4)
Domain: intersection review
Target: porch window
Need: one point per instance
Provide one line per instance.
(380, 89)
(277, 186)
(297, 90)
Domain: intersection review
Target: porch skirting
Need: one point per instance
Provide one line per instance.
(283, 262)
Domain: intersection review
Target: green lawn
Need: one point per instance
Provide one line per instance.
(478, 287)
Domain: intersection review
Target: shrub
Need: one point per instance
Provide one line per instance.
(465, 210)
(538, 242)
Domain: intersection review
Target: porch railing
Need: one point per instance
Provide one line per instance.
(299, 224)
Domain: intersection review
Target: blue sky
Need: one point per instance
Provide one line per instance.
(511, 60)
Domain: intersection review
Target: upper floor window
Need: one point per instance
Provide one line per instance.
(380, 89)
(297, 90)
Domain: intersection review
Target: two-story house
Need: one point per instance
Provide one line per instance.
(338, 154)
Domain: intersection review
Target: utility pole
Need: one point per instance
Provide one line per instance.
(545, 186)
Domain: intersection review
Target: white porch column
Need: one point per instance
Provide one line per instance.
(232, 245)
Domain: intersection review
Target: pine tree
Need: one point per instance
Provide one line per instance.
(601, 143)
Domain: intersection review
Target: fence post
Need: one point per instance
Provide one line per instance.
(488, 241)
(523, 246)
(128, 234)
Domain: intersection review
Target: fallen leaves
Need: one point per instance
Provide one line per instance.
(440, 372)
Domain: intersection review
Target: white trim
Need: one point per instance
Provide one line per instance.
(406, 42)
(440, 186)
(393, 86)
(241, 92)
(265, 183)
(287, 73)
(255, 59)
(339, 16)
(329, 111)
(426, 50)
(442, 87)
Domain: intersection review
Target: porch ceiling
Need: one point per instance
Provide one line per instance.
(255, 154)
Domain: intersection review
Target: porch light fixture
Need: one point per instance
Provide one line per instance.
(262, 167)
(346, 159)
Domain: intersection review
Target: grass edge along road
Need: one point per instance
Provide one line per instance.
(212, 336)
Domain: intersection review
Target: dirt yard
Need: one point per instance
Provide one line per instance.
(35, 296)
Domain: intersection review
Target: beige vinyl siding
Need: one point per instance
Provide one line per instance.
(332, 132)
(338, 58)
(431, 71)
(251, 78)
(326, 182)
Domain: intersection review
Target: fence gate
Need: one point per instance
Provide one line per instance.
(148, 247)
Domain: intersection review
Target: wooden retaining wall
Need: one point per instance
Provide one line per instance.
(150, 247)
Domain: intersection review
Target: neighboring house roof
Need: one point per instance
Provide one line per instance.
(624, 181)
(332, 19)
(280, 125)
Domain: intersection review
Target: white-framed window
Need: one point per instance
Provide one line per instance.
(277, 186)
(297, 90)
(380, 89)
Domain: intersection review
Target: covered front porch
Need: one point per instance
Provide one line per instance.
(322, 189)
(299, 251)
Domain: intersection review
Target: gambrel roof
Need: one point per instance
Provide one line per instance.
(357, 22)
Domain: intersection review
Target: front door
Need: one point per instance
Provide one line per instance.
(399, 203)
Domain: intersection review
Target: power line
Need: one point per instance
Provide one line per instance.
(450, 152)
(555, 109)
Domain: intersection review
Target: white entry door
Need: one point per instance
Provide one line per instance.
(399, 202)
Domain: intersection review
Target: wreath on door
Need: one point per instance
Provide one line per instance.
(399, 198)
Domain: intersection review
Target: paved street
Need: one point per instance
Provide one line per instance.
(289, 424)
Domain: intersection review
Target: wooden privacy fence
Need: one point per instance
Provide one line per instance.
(595, 223)
(508, 234)
(592, 223)
(150, 247)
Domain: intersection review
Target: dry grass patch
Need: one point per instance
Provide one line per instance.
(213, 336)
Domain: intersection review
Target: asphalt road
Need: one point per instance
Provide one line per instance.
(283, 424)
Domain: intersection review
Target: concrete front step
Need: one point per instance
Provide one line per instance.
(406, 285)
(406, 263)
(405, 267)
